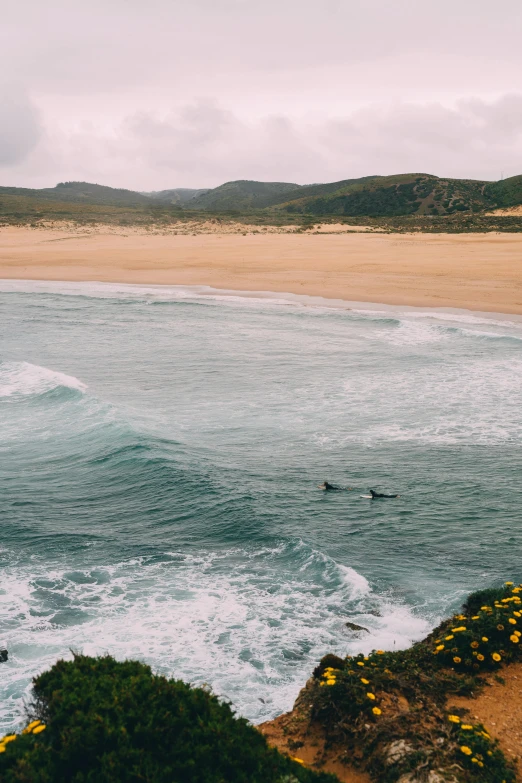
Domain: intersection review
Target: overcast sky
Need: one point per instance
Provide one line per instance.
(153, 94)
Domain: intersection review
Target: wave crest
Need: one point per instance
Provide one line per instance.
(22, 379)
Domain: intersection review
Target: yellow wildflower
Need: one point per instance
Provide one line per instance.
(496, 657)
(517, 614)
(453, 718)
(365, 682)
(508, 584)
(371, 696)
(460, 617)
(514, 638)
(466, 727)
(2, 748)
(474, 760)
(480, 657)
(485, 608)
(517, 633)
(500, 627)
(379, 652)
(360, 663)
(39, 728)
(376, 711)
(456, 630)
(322, 683)
(447, 638)
(330, 681)
(516, 590)
(477, 617)
(512, 621)
(30, 726)
(439, 647)
(456, 659)
(474, 645)
(299, 761)
(8, 738)
(467, 751)
(485, 639)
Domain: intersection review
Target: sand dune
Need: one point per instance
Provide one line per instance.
(473, 271)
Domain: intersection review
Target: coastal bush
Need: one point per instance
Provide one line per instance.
(95, 720)
(374, 703)
(486, 638)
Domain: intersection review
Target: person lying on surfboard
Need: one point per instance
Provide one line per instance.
(380, 495)
(326, 486)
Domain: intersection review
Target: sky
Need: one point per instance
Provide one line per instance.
(156, 94)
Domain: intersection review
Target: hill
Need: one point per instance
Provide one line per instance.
(374, 196)
(244, 194)
(404, 194)
(176, 196)
(419, 197)
(82, 193)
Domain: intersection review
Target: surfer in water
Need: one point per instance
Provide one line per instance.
(326, 486)
(380, 495)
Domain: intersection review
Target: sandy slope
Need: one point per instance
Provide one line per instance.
(499, 708)
(474, 271)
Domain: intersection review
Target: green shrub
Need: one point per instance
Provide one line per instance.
(486, 638)
(95, 720)
(358, 699)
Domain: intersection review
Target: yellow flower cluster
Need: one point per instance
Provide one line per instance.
(329, 676)
(35, 727)
(507, 614)
(476, 758)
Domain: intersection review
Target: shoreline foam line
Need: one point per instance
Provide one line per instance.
(109, 290)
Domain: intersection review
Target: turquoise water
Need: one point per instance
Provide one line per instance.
(160, 450)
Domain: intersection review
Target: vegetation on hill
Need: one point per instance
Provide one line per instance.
(406, 202)
(82, 193)
(176, 196)
(393, 709)
(243, 194)
(95, 720)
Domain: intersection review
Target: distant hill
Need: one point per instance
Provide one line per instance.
(423, 195)
(244, 194)
(82, 192)
(404, 194)
(176, 196)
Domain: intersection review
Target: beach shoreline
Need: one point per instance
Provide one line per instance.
(474, 272)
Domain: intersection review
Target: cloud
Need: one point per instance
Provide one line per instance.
(20, 126)
(202, 144)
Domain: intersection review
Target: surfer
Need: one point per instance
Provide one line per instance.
(326, 486)
(380, 495)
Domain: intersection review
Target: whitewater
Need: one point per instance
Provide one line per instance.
(160, 451)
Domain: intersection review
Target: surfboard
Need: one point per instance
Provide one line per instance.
(366, 496)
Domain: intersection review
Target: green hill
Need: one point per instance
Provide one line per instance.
(83, 193)
(177, 195)
(376, 196)
(244, 194)
(404, 194)
(420, 195)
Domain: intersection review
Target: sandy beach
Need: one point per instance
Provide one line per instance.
(481, 272)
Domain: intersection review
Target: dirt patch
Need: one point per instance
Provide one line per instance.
(499, 708)
(293, 735)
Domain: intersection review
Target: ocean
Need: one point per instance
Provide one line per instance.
(160, 451)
